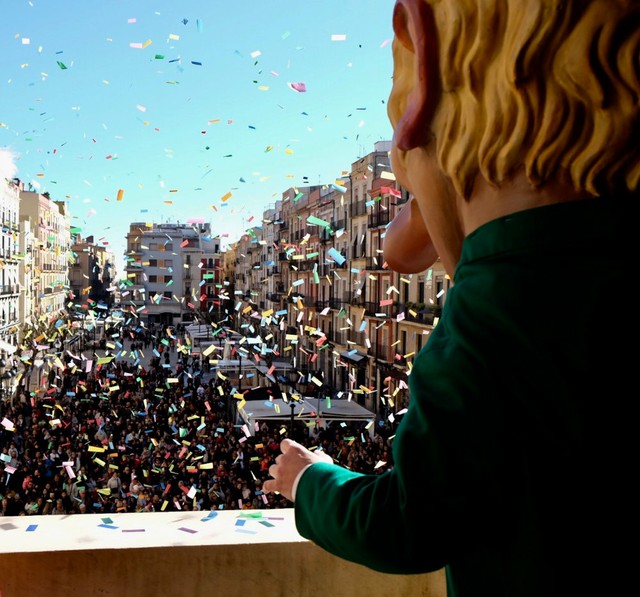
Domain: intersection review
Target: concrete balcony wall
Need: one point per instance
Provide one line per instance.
(196, 554)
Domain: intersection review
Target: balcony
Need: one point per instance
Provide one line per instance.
(324, 269)
(374, 309)
(340, 338)
(306, 266)
(358, 209)
(10, 289)
(375, 263)
(353, 298)
(381, 352)
(335, 303)
(326, 236)
(418, 313)
(359, 251)
(146, 551)
(378, 219)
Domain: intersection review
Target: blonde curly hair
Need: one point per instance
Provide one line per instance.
(552, 86)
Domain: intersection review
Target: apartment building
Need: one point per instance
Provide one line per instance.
(48, 224)
(10, 262)
(169, 267)
(311, 283)
(91, 274)
(213, 287)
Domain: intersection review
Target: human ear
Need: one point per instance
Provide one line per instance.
(416, 88)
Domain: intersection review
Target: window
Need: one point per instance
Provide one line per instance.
(168, 263)
(168, 279)
(168, 247)
(167, 295)
(153, 263)
(153, 279)
(421, 289)
(440, 293)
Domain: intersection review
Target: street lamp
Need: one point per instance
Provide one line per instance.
(292, 405)
(3, 370)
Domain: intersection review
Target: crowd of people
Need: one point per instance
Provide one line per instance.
(111, 434)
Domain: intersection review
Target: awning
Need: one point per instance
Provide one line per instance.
(304, 409)
(353, 356)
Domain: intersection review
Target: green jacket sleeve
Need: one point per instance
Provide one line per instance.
(412, 517)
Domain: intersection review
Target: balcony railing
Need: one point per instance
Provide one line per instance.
(374, 308)
(353, 298)
(375, 263)
(381, 218)
(424, 315)
(335, 303)
(338, 338)
(358, 209)
(10, 289)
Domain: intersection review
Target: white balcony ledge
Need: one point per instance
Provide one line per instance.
(191, 553)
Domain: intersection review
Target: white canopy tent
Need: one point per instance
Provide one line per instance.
(306, 410)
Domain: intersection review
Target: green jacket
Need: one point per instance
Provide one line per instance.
(509, 464)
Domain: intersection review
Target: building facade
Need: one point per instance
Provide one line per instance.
(91, 274)
(11, 259)
(11, 263)
(166, 273)
(311, 286)
(49, 223)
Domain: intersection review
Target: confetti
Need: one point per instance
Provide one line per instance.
(299, 87)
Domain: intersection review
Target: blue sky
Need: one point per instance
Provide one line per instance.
(178, 104)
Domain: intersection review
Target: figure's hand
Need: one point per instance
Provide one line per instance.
(289, 463)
